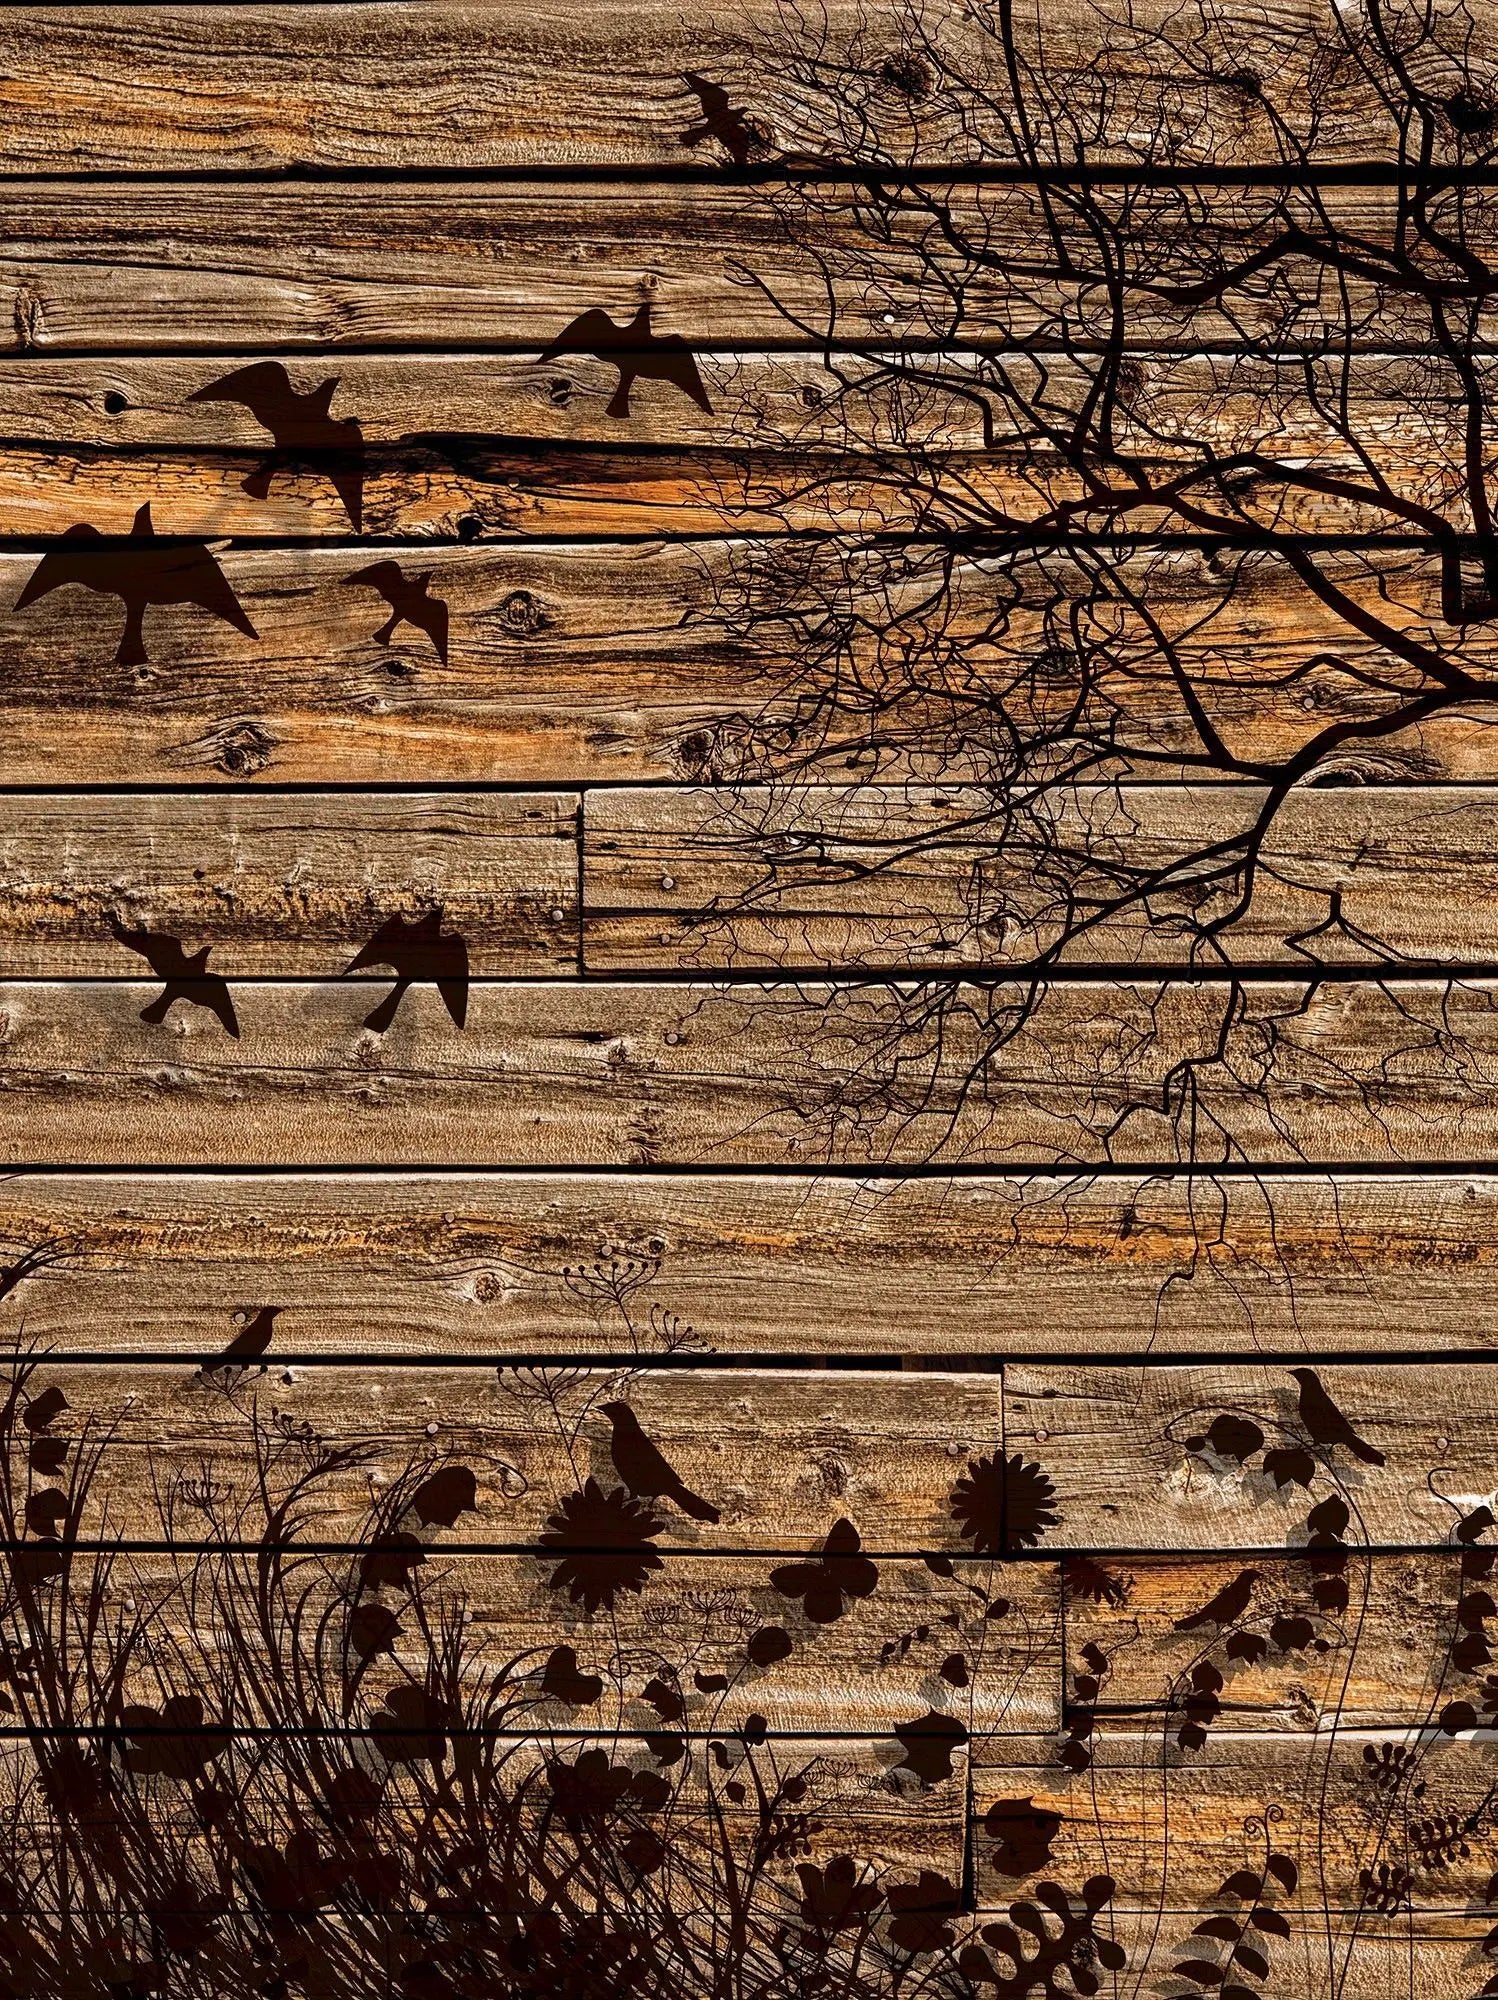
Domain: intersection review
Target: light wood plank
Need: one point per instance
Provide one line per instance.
(599, 1264)
(285, 885)
(1180, 1072)
(781, 1456)
(920, 876)
(1288, 1661)
(1135, 1462)
(1171, 1830)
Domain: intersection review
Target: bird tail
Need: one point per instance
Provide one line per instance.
(1369, 1454)
(689, 1503)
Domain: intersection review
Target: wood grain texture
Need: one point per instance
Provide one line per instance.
(902, 876)
(571, 665)
(548, 1073)
(884, 1450)
(279, 885)
(600, 1264)
(1130, 1454)
(308, 86)
(153, 266)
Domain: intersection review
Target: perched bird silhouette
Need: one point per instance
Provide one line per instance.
(418, 951)
(305, 431)
(635, 351)
(187, 977)
(645, 1473)
(1227, 1606)
(410, 601)
(720, 121)
(251, 1341)
(1325, 1423)
(143, 570)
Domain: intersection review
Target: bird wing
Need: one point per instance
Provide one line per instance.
(386, 947)
(263, 388)
(712, 96)
(213, 591)
(63, 565)
(348, 483)
(592, 332)
(384, 577)
(214, 994)
(687, 376)
(430, 615)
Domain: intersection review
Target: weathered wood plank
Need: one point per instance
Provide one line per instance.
(1136, 1463)
(915, 877)
(596, 1264)
(1171, 1829)
(285, 885)
(154, 266)
(577, 664)
(83, 435)
(1293, 1657)
(100, 89)
(690, 1638)
(1178, 1072)
(186, 1455)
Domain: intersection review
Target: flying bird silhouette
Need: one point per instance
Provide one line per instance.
(251, 1341)
(187, 977)
(1227, 1607)
(1325, 1423)
(140, 571)
(410, 601)
(417, 951)
(645, 1473)
(305, 431)
(720, 120)
(635, 351)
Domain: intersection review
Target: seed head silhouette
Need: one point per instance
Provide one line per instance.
(635, 351)
(410, 601)
(187, 977)
(143, 570)
(418, 951)
(305, 431)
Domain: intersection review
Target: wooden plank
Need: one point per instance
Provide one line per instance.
(1135, 1461)
(1171, 1830)
(157, 265)
(1290, 1659)
(920, 876)
(1087, 1073)
(578, 664)
(285, 885)
(781, 1456)
(685, 1655)
(602, 1264)
(151, 88)
(84, 435)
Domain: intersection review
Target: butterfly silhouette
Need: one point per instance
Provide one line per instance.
(840, 1572)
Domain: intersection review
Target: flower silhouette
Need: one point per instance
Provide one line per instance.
(839, 1572)
(923, 1913)
(834, 1898)
(607, 1539)
(1001, 1504)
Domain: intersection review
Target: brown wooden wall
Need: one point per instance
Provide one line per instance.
(773, 1434)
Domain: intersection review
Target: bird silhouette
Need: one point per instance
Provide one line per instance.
(645, 1473)
(187, 977)
(635, 351)
(139, 571)
(1325, 1423)
(1227, 1606)
(251, 1341)
(410, 601)
(720, 120)
(305, 431)
(418, 951)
